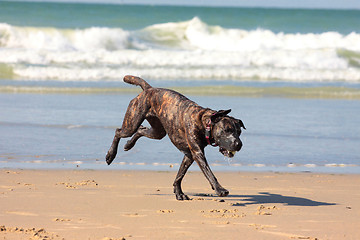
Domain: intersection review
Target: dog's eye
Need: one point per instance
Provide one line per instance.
(228, 130)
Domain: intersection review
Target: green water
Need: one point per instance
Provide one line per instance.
(130, 17)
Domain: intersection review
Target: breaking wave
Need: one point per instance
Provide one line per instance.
(177, 50)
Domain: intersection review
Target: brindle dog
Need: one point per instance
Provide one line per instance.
(190, 128)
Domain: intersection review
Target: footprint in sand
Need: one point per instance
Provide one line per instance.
(77, 184)
(262, 210)
(87, 183)
(133, 215)
(67, 185)
(165, 211)
(108, 238)
(222, 213)
(61, 220)
(33, 232)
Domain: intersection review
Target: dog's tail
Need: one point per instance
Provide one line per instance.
(137, 81)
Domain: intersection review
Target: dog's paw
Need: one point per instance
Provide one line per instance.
(182, 197)
(222, 192)
(179, 193)
(110, 156)
(129, 145)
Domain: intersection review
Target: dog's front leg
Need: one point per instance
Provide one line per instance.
(200, 159)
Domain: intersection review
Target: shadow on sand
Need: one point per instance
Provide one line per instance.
(266, 197)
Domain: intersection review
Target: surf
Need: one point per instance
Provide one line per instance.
(190, 50)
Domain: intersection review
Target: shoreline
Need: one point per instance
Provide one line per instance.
(303, 92)
(123, 204)
(39, 162)
(339, 169)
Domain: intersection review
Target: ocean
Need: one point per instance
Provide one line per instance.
(291, 75)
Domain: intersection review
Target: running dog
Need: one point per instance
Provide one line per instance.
(189, 126)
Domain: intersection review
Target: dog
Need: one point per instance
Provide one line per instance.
(189, 126)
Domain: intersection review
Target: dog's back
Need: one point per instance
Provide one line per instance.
(163, 102)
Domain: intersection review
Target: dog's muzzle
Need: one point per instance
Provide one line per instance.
(227, 153)
(235, 147)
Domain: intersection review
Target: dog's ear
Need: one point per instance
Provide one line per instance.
(219, 114)
(241, 124)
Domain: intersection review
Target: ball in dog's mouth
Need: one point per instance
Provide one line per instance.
(227, 153)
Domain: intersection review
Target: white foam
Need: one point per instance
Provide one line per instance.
(184, 50)
(52, 39)
(202, 36)
(155, 64)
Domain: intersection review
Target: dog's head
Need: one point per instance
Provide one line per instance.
(226, 132)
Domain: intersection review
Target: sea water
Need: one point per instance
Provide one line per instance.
(59, 130)
(291, 75)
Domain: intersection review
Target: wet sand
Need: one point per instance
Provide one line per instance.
(88, 204)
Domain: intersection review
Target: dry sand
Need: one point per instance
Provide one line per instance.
(68, 204)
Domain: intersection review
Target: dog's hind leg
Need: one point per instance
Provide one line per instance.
(156, 131)
(111, 154)
(186, 163)
(134, 116)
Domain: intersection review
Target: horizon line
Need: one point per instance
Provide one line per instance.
(109, 2)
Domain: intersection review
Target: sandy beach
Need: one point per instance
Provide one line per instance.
(88, 204)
